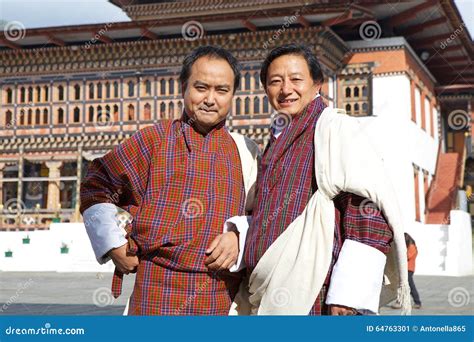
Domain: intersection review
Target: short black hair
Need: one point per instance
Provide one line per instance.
(211, 51)
(293, 49)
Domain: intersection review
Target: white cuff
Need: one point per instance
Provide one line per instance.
(241, 225)
(103, 229)
(356, 279)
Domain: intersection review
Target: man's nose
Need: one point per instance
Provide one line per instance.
(286, 88)
(210, 99)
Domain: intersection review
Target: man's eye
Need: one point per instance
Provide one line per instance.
(296, 79)
(200, 88)
(274, 81)
(222, 91)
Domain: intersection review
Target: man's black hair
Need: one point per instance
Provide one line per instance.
(293, 49)
(211, 51)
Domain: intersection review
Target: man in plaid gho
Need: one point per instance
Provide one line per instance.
(179, 180)
(292, 78)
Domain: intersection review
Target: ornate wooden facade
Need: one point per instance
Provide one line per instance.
(70, 94)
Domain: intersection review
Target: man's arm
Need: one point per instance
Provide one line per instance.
(118, 179)
(227, 249)
(356, 279)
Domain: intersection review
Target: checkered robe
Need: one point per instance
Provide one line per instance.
(179, 187)
(286, 182)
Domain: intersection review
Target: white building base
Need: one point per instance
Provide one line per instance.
(43, 253)
(443, 249)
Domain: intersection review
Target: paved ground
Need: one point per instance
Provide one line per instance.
(49, 293)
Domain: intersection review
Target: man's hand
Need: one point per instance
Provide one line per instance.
(223, 252)
(341, 310)
(123, 260)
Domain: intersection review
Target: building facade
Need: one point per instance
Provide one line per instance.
(70, 94)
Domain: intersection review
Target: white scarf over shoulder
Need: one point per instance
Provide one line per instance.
(297, 263)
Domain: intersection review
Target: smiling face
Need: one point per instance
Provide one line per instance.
(208, 93)
(289, 85)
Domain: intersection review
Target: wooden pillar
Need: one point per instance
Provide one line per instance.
(2, 166)
(413, 102)
(77, 214)
(20, 187)
(53, 185)
(422, 105)
(417, 195)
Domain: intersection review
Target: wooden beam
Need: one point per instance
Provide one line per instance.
(457, 79)
(9, 44)
(346, 16)
(303, 21)
(433, 51)
(447, 59)
(429, 41)
(348, 27)
(105, 39)
(450, 48)
(248, 25)
(147, 33)
(421, 27)
(454, 87)
(448, 67)
(54, 40)
(404, 16)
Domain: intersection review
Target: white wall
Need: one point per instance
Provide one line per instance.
(391, 96)
(418, 106)
(331, 92)
(444, 249)
(427, 116)
(405, 142)
(44, 251)
(421, 197)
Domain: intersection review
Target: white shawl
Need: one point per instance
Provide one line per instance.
(289, 276)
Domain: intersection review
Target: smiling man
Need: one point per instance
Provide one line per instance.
(348, 278)
(180, 180)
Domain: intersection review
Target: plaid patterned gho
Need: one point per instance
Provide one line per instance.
(286, 182)
(180, 187)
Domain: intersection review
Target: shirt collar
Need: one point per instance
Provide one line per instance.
(192, 136)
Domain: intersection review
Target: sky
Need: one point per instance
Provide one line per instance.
(47, 13)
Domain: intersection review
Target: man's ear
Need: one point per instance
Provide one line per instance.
(318, 86)
(265, 88)
(183, 88)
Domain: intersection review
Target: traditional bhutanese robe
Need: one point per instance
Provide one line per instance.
(180, 187)
(286, 182)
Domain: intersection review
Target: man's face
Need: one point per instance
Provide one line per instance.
(289, 85)
(209, 91)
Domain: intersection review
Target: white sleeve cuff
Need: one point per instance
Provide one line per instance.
(103, 229)
(356, 279)
(241, 225)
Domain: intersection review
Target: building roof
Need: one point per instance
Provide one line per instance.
(433, 29)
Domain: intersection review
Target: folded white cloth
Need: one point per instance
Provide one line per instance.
(297, 263)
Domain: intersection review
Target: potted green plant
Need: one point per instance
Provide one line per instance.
(8, 254)
(56, 218)
(26, 240)
(64, 248)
